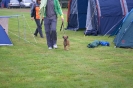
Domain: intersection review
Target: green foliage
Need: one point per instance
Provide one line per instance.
(28, 64)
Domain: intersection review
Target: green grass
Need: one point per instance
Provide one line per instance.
(28, 64)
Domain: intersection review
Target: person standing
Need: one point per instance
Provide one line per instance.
(35, 14)
(50, 9)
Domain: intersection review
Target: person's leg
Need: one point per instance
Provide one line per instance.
(36, 32)
(39, 28)
(48, 32)
(53, 32)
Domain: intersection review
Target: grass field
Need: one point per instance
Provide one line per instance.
(28, 64)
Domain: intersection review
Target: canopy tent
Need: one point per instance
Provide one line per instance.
(124, 38)
(102, 15)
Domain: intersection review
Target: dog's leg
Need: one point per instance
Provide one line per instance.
(64, 45)
(68, 44)
(65, 48)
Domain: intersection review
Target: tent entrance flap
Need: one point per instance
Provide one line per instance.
(77, 11)
(72, 24)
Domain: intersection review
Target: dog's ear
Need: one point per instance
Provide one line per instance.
(67, 37)
(63, 37)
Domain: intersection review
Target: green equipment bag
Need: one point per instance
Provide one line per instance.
(93, 44)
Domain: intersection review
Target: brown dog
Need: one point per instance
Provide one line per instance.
(66, 42)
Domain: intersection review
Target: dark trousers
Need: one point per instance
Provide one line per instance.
(39, 28)
(50, 30)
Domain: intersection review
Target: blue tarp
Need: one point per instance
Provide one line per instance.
(4, 39)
